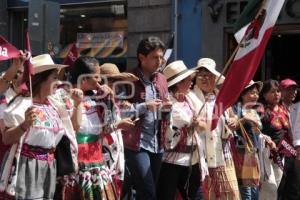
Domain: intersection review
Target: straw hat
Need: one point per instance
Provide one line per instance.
(258, 83)
(111, 71)
(176, 72)
(44, 62)
(210, 65)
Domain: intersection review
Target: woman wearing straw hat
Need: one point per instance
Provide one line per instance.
(35, 127)
(181, 161)
(222, 181)
(113, 142)
(249, 142)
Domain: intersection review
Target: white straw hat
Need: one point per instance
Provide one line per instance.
(176, 72)
(44, 62)
(210, 65)
(258, 83)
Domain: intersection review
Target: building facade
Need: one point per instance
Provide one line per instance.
(111, 29)
(280, 59)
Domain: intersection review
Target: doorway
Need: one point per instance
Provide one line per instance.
(282, 57)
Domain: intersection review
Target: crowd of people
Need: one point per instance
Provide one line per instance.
(99, 134)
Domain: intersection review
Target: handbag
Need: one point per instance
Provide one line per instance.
(246, 161)
(63, 156)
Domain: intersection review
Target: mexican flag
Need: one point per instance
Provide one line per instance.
(254, 30)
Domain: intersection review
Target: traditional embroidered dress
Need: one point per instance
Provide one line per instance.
(36, 148)
(114, 154)
(184, 151)
(4, 149)
(94, 176)
(222, 182)
(34, 169)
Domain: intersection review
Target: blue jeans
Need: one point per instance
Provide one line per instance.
(249, 193)
(143, 172)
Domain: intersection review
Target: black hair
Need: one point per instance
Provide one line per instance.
(36, 82)
(297, 98)
(268, 85)
(147, 45)
(83, 65)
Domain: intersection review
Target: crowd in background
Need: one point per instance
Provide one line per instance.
(88, 131)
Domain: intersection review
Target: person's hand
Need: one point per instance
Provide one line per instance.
(166, 106)
(154, 104)
(199, 123)
(126, 124)
(29, 118)
(270, 142)
(77, 96)
(104, 91)
(130, 76)
(19, 61)
(232, 123)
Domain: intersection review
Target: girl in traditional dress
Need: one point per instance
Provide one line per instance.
(113, 142)
(94, 177)
(35, 127)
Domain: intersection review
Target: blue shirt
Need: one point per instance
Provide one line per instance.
(150, 120)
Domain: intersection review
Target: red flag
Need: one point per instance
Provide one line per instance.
(247, 59)
(7, 50)
(72, 55)
(28, 68)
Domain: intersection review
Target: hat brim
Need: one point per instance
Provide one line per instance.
(43, 68)
(214, 72)
(181, 77)
(258, 83)
(123, 76)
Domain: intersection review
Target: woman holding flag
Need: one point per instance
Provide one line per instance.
(221, 183)
(34, 127)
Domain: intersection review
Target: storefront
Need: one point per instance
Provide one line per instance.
(99, 27)
(280, 59)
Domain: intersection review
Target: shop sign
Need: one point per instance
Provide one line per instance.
(100, 40)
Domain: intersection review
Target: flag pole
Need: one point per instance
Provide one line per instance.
(30, 85)
(229, 61)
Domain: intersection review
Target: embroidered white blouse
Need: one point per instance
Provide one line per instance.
(90, 123)
(182, 115)
(47, 129)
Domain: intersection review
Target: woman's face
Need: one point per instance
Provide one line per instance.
(91, 81)
(251, 96)
(50, 84)
(273, 96)
(184, 85)
(205, 80)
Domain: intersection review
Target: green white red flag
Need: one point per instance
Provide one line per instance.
(7, 50)
(254, 37)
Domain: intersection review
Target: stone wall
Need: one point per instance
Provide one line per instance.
(147, 18)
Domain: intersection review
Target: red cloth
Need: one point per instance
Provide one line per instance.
(7, 50)
(238, 77)
(72, 55)
(28, 68)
